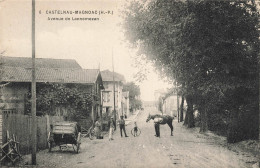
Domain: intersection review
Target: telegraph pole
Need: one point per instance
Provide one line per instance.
(114, 86)
(33, 110)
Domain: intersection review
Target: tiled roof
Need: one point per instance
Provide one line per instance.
(108, 76)
(54, 75)
(26, 62)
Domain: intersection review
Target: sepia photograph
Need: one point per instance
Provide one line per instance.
(130, 83)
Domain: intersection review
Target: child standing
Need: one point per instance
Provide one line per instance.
(135, 129)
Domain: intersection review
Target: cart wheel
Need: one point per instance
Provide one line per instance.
(49, 145)
(91, 134)
(138, 132)
(78, 142)
(78, 147)
(90, 137)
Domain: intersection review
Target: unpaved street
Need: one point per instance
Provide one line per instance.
(186, 148)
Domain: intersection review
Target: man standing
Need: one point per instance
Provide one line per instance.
(157, 129)
(157, 122)
(121, 122)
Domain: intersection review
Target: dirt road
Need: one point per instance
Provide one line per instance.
(186, 148)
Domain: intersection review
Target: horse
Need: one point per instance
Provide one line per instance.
(165, 119)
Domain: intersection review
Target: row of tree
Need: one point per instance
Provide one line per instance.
(211, 49)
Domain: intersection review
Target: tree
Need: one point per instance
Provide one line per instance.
(134, 94)
(210, 48)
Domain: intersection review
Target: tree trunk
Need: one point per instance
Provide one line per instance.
(181, 108)
(185, 119)
(233, 132)
(203, 119)
(189, 118)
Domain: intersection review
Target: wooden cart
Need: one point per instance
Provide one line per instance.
(63, 133)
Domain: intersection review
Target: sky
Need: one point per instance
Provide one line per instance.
(92, 43)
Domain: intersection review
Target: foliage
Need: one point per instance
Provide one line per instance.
(195, 41)
(51, 95)
(142, 65)
(209, 47)
(135, 104)
(134, 94)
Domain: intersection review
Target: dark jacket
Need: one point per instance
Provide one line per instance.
(121, 122)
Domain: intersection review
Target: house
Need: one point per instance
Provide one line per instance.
(16, 82)
(108, 92)
(158, 94)
(170, 105)
(169, 101)
(16, 78)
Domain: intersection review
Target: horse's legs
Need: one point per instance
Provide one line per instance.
(171, 126)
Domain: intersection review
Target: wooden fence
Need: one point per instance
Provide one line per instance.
(21, 125)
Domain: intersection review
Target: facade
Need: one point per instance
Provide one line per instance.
(16, 82)
(169, 101)
(158, 94)
(170, 105)
(108, 92)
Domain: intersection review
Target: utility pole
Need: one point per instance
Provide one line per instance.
(101, 100)
(34, 124)
(114, 86)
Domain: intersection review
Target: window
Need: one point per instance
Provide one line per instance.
(106, 96)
